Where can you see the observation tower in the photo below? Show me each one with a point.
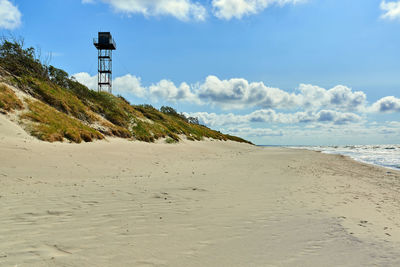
(105, 44)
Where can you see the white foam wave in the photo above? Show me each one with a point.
(383, 155)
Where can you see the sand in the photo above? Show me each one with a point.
(211, 203)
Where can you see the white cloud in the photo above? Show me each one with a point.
(181, 9)
(167, 90)
(228, 9)
(239, 93)
(387, 104)
(129, 84)
(391, 9)
(10, 16)
(87, 80)
(338, 118)
(339, 97)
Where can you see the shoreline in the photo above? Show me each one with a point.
(363, 162)
(122, 203)
(343, 154)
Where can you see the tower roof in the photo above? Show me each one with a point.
(105, 41)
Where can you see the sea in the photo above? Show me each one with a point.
(382, 155)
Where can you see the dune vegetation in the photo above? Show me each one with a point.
(57, 107)
(8, 100)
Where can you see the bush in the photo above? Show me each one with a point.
(193, 120)
(172, 112)
(169, 111)
(150, 112)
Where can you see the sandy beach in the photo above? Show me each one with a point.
(211, 203)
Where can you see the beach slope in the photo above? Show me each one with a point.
(213, 203)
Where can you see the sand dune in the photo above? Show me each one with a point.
(121, 203)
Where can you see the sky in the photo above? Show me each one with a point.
(276, 72)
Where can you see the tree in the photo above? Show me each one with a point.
(19, 61)
(193, 120)
(58, 76)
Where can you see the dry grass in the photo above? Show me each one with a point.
(51, 125)
(8, 100)
(61, 99)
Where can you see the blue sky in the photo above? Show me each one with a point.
(273, 71)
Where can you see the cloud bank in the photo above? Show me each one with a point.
(338, 134)
(186, 10)
(238, 93)
(10, 16)
(270, 116)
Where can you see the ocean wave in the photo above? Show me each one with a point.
(382, 155)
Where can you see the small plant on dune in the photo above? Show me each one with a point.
(170, 140)
(190, 138)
